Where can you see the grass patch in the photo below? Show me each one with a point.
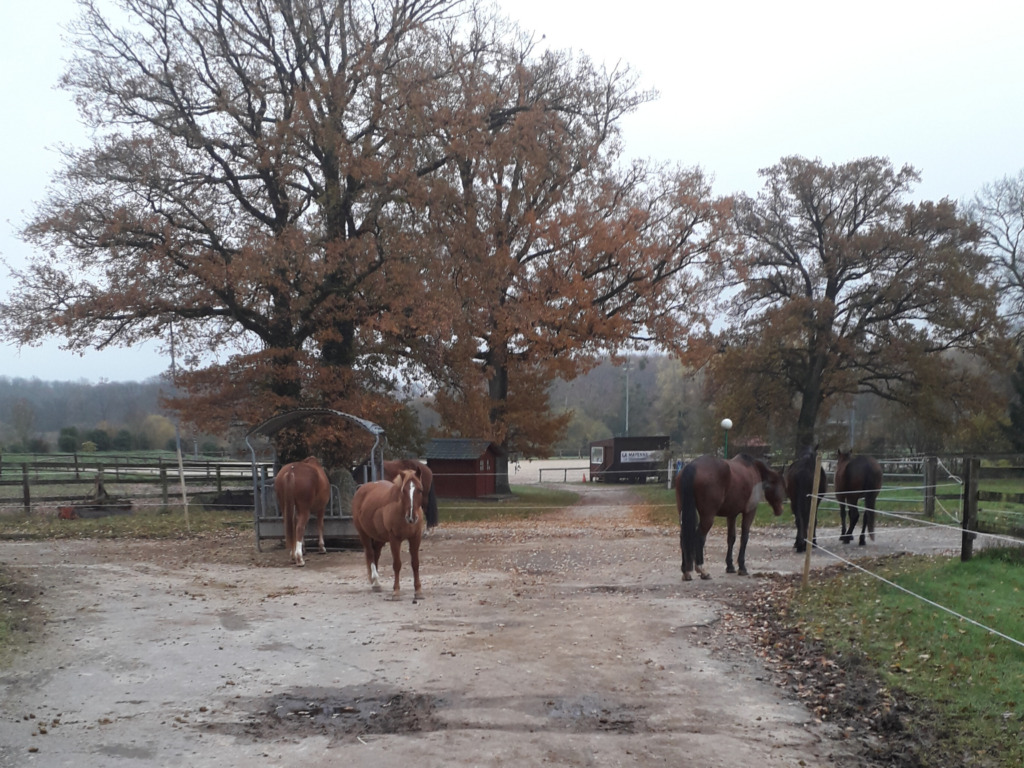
(528, 501)
(164, 523)
(971, 680)
(10, 613)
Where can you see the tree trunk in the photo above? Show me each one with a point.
(497, 389)
(810, 405)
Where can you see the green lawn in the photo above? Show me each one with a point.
(529, 501)
(974, 680)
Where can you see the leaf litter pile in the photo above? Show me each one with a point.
(880, 725)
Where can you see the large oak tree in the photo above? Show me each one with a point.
(313, 193)
(843, 285)
(998, 208)
(247, 185)
(550, 250)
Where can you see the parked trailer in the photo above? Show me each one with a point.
(629, 459)
(339, 530)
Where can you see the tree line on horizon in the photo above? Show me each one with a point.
(319, 204)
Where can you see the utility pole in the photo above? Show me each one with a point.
(627, 395)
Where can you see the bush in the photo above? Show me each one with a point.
(100, 438)
(38, 445)
(122, 440)
(88, 447)
(68, 440)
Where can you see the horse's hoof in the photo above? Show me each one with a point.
(705, 576)
(744, 572)
(730, 569)
(376, 587)
(395, 597)
(418, 596)
(687, 577)
(862, 542)
(300, 563)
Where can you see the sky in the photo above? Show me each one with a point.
(741, 84)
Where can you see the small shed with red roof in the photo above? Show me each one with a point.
(463, 467)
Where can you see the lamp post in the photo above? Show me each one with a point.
(727, 425)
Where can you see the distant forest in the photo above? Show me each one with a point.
(664, 399)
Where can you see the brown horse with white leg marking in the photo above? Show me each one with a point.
(857, 477)
(390, 513)
(710, 487)
(302, 489)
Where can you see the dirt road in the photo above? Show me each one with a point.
(566, 641)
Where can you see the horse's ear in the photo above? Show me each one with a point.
(399, 479)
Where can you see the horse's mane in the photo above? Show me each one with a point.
(762, 467)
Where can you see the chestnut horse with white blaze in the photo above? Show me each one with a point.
(302, 489)
(426, 476)
(710, 486)
(390, 512)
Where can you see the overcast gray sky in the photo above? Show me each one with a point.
(939, 85)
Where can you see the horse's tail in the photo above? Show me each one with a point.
(431, 510)
(287, 498)
(686, 503)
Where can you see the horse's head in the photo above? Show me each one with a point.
(807, 452)
(411, 489)
(843, 457)
(774, 490)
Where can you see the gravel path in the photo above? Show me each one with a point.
(565, 640)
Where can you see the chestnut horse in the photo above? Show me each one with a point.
(708, 487)
(799, 477)
(391, 470)
(389, 513)
(302, 489)
(857, 477)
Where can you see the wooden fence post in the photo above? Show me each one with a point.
(76, 467)
(809, 538)
(27, 497)
(218, 477)
(972, 472)
(931, 472)
(163, 483)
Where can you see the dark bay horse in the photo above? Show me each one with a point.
(391, 470)
(799, 478)
(857, 477)
(708, 487)
(302, 489)
(389, 513)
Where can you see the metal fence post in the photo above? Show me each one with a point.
(972, 472)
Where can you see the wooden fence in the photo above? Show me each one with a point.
(33, 479)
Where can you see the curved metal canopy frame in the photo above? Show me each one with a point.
(275, 424)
